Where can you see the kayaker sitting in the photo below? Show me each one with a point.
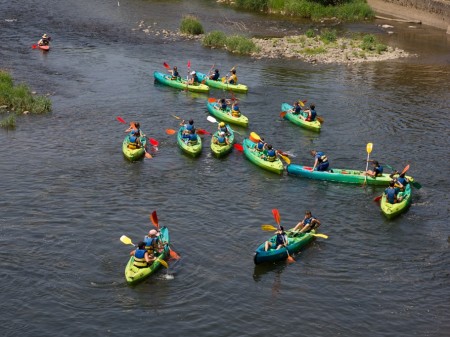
(133, 127)
(271, 154)
(193, 138)
(188, 127)
(223, 128)
(235, 112)
(321, 161)
(296, 108)
(141, 257)
(401, 181)
(311, 113)
(221, 140)
(392, 193)
(261, 145)
(152, 243)
(308, 223)
(194, 79)
(280, 241)
(233, 78)
(174, 73)
(377, 170)
(223, 104)
(45, 40)
(215, 76)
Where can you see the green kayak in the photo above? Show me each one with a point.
(295, 242)
(256, 157)
(222, 85)
(222, 150)
(340, 175)
(225, 115)
(392, 210)
(134, 275)
(298, 120)
(130, 151)
(192, 150)
(179, 83)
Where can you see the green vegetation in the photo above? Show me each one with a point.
(346, 10)
(234, 43)
(191, 25)
(17, 98)
(370, 43)
(328, 35)
(314, 50)
(310, 33)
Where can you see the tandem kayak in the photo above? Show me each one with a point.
(392, 210)
(222, 150)
(339, 175)
(130, 151)
(298, 120)
(134, 274)
(222, 85)
(295, 242)
(256, 157)
(225, 115)
(191, 149)
(179, 83)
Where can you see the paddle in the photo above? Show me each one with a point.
(228, 73)
(286, 159)
(154, 220)
(126, 240)
(238, 147)
(369, 147)
(166, 66)
(272, 228)
(207, 75)
(34, 46)
(171, 131)
(320, 119)
(152, 141)
(276, 216)
(203, 132)
(213, 120)
(212, 100)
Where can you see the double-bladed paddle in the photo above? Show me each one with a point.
(155, 222)
(152, 141)
(276, 216)
(126, 240)
(267, 227)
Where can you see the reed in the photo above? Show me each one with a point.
(191, 25)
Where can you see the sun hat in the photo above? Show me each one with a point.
(153, 232)
(193, 72)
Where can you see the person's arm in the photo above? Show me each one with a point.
(315, 163)
(132, 252)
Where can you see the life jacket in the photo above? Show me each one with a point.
(309, 220)
(402, 181)
(150, 244)
(391, 193)
(221, 140)
(313, 116)
(378, 170)
(281, 239)
(195, 77)
(215, 77)
(321, 157)
(271, 155)
(189, 127)
(176, 74)
(192, 139)
(139, 258)
(260, 146)
(233, 79)
(297, 109)
(224, 129)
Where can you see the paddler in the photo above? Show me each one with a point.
(215, 76)
(297, 108)
(45, 40)
(152, 242)
(271, 154)
(174, 72)
(321, 161)
(311, 113)
(194, 79)
(233, 78)
(141, 257)
(308, 223)
(377, 170)
(392, 192)
(280, 241)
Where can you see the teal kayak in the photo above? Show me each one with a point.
(225, 115)
(339, 175)
(222, 85)
(130, 151)
(192, 150)
(256, 158)
(179, 83)
(222, 150)
(298, 120)
(134, 274)
(295, 242)
(392, 210)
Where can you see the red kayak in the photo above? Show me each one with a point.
(46, 48)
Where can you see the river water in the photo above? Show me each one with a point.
(67, 193)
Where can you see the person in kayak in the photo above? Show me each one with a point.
(222, 104)
(193, 138)
(233, 78)
(141, 257)
(132, 127)
(261, 145)
(135, 135)
(321, 161)
(392, 192)
(215, 76)
(194, 79)
(280, 241)
(377, 170)
(223, 128)
(152, 243)
(45, 40)
(174, 72)
(401, 181)
(221, 140)
(271, 154)
(308, 223)
(188, 127)
(297, 108)
(235, 112)
(311, 113)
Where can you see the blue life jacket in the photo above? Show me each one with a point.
(321, 157)
(224, 129)
(271, 155)
(150, 243)
(313, 115)
(139, 258)
(390, 194)
(221, 140)
(281, 239)
(215, 77)
(402, 181)
(260, 146)
(192, 138)
(378, 170)
(189, 127)
(133, 139)
(176, 74)
(297, 109)
(309, 220)
(236, 108)
(195, 77)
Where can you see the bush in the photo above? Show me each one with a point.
(240, 44)
(370, 43)
(191, 25)
(328, 36)
(8, 122)
(215, 39)
(310, 33)
(255, 5)
(380, 48)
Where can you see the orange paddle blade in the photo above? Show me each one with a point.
(121, 120)
(173, 254)
(203, 132)
(212, 100)
(276, 216)
(170, 131)
(238, 147)
(283, 113)
(148, 155)
(290, 259)
(320, 119)
(405, 169)
(154, 219)
(166, 65)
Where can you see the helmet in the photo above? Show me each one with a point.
(221, 124)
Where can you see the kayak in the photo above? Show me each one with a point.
(339, 175)
(256, 158)
(215, 110)
(130, 151)
(295, 242)
(392, 210)
(134, 274)
(44, 48)
(222, 85)
(222, 150)
(192, 150)
(314, 125)
(179, 83)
